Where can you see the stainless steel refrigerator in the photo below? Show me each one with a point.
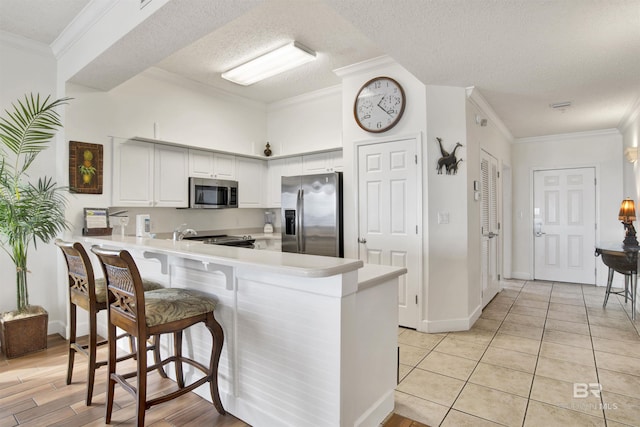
(312, 214)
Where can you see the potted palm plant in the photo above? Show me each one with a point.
(30, 211)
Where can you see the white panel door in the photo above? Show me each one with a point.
(490, 228)
(388, 216)
(564, 225)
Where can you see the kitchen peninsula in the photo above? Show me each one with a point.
(308, 340)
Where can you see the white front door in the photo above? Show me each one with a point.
(388, 213)
(489, 226)
(564, 225)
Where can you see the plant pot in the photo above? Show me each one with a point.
(23, 333)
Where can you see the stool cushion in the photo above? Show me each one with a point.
(171, 304)
(101, 288)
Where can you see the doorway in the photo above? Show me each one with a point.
(489, 227)
(389, 212)
(564, 225)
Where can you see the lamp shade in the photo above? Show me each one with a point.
(627, 211)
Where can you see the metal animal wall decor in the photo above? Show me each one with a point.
(448, 160)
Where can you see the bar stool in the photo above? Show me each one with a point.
(90, 294)
(618, 262)
(144, 314)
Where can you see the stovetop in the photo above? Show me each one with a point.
(224, 239)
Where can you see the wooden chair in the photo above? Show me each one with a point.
(90, 294)
(144, 314)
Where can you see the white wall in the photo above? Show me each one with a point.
(188, 113)
(450, 262)
(309, 122)
(29, 67)
(495, 140)
(631, 171)
(602, 150)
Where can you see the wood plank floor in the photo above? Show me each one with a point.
(33, 392)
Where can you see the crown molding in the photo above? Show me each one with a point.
(24, 43)
(81, 23)
(476, 98)
(361, 67)
(632, 115)
(567, 136)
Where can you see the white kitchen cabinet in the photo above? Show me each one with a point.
(170, 178)
(207, 164)
(251, 174)
(133, 173)
(288, 166)
(330, 161)
(146, 174)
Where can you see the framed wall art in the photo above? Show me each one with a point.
(85, 167)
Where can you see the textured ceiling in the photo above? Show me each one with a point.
(521, 54)
(268, 26)
(39, 20)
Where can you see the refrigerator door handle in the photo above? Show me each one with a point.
(300, 217)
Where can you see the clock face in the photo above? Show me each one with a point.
(379, 104)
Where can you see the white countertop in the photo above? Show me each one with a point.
(278, 262)
(374, 274)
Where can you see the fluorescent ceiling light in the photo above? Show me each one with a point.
(275, 62)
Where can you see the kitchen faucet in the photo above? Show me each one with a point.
(179, 233)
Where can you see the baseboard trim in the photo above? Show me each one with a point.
(518, 275)
(451, 325)
(378, 412)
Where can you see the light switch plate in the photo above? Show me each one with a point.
(443, 217)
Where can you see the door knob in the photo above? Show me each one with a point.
(491, 235)
(362, 240)
(539, 233)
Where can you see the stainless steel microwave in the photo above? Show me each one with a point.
(212, 193)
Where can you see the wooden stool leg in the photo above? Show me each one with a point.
(141, 395)
(177, 352)
(156, 356)
(609, 282)
(216, 350)
(111, 382)
(93, 345)
(72, 341)
(132, 347)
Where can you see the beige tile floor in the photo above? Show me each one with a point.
(537, 356)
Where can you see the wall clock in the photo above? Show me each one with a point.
(379, 104)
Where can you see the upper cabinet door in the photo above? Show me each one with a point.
(133, 172)
(206, 164)
(224, 166)
(171, 176)
(330, 161)
(200, 164)
(251, 174)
